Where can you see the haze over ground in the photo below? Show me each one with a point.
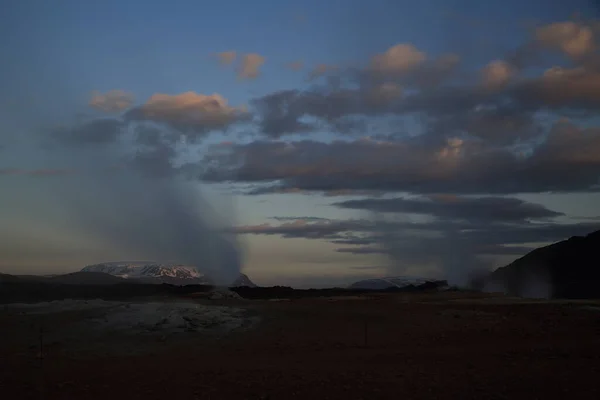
(331, 141)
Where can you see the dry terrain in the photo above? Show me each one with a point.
(411, 346)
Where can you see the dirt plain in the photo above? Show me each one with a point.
(410, 346)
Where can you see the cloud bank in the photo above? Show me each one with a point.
(410, 133)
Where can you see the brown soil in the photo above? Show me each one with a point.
(386, 347)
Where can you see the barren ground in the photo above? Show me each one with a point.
(417, 346)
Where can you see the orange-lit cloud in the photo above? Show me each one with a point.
(111, 101)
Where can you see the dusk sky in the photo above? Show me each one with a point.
(337, 140)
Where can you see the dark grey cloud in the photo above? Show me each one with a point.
(485, 209)
(484, 236)
(331, 105)
(567, 159)
(348, 240)
(362, 250)
(305, 228)
(278, 189)
(419, 250)
(500, 125)
(303, 218)
(280, 114)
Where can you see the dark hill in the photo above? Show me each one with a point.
(569, 269)
(87, 278)
(6, 278)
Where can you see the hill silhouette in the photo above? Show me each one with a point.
(569, 269)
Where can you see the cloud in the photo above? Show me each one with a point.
(405, 82)
(161, 121)
(286, 112)
(496, 126)
(250, 65)
(344, 110)
(383, 94)
(361, 250)
(189, 112)
(428, 127)
(434, 72)
(567, 160)
(563, 88)
(112, 101)
(572, 38)
(280, 113)
(227, 57)
(496, 74)
(397, 60)
(483, 209)
(277, 189)
(402, 121)
(304, 218)
(302, 228)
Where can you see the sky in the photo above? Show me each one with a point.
(322, 142)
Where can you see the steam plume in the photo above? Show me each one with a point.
(444, 254)
(117, 202)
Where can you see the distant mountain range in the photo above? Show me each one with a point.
(398, 282)
(566, 269)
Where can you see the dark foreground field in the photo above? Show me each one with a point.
(386, 346)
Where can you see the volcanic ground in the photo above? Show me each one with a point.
(371, 346)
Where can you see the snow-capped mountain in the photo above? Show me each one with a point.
(390, 282)
(152, 272)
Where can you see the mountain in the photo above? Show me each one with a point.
(399, 282)
(152, 272)
(566, 269)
